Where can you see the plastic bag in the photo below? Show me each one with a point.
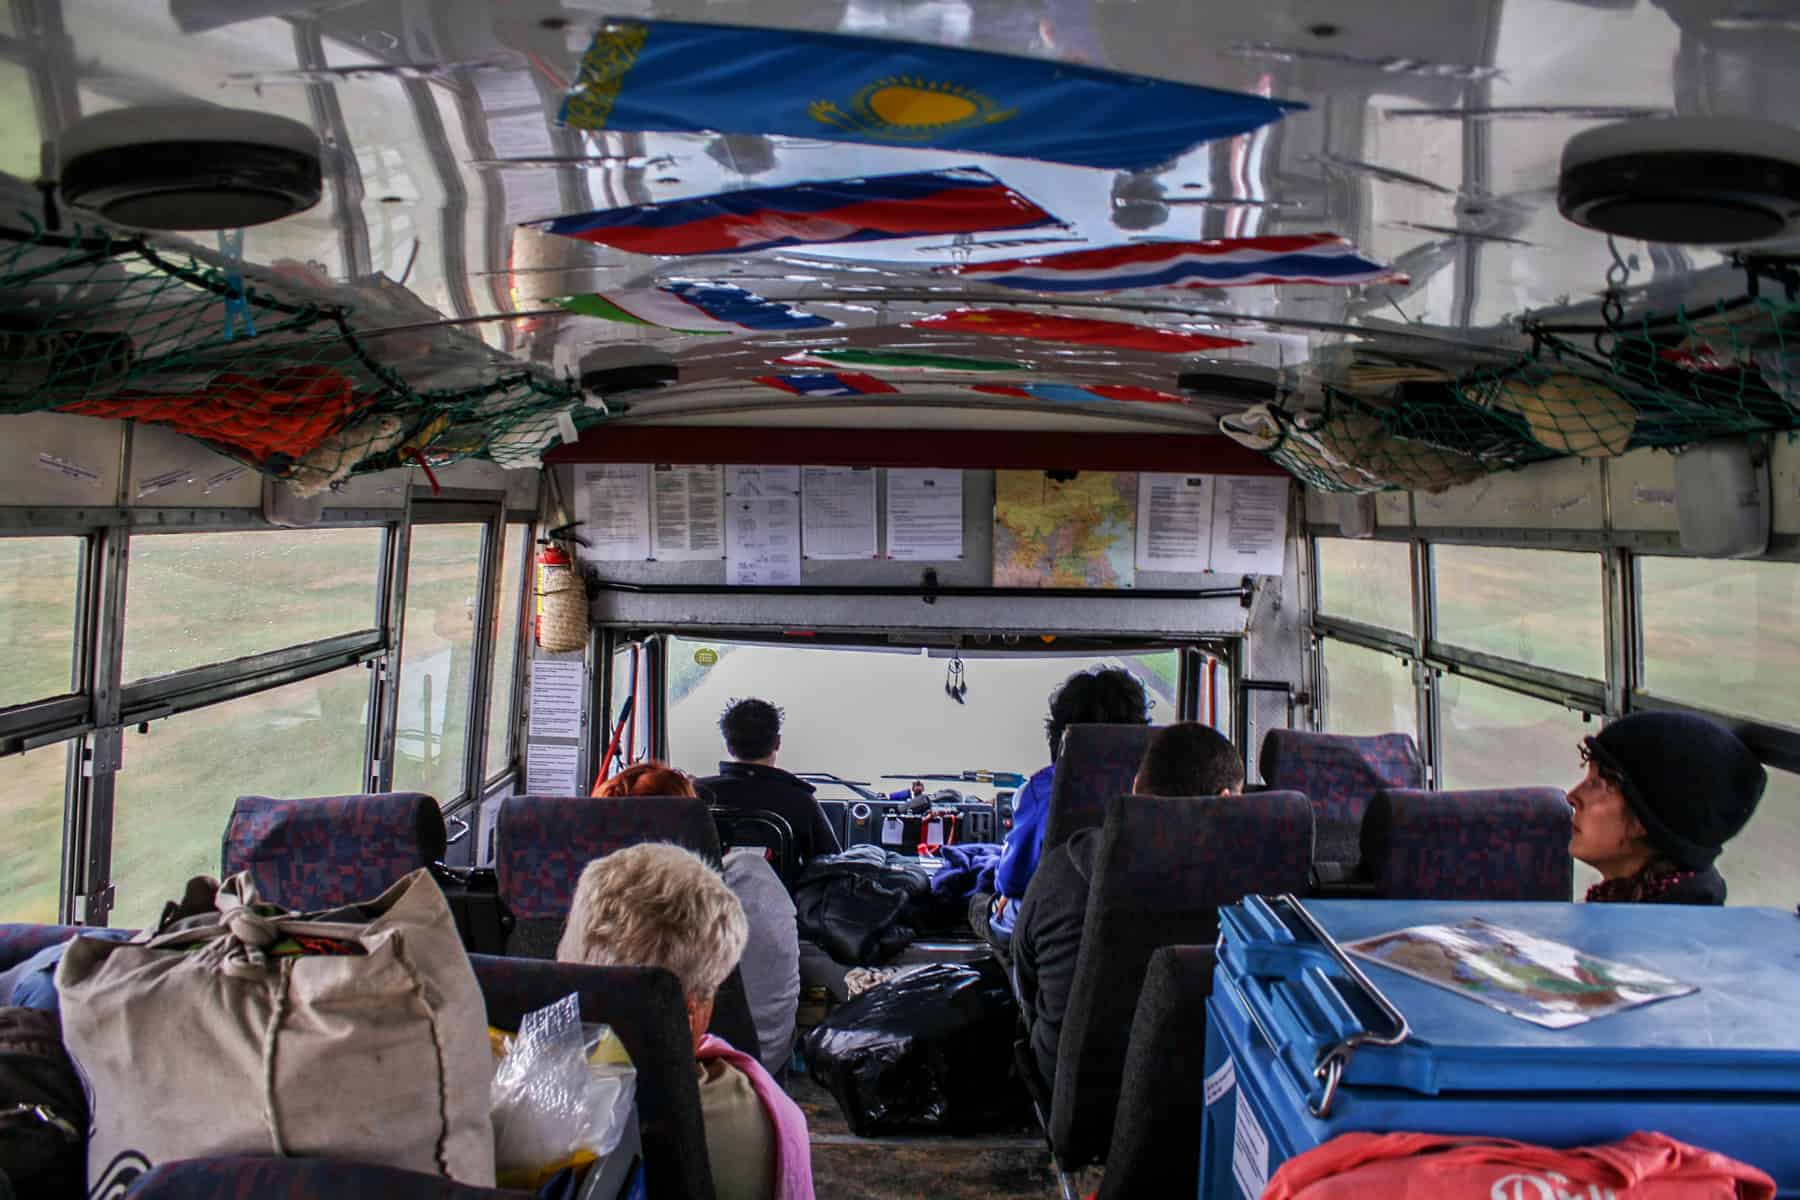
(554, 1107)
(931, 1049)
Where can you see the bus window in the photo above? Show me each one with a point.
(31, 854)
(1367, 692)
(501, 700)
(1533, 606)
(861, 714)
(1494, 738)
(1722, 634)
(198, 598)
(443, 583)
(1366, 581)
(181, 778)
(40, 581)
(1758, 864)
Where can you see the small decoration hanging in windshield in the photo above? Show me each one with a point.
(954, 686)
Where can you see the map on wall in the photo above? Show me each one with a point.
(1076, 532)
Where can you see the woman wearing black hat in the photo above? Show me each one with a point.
(1663, 794)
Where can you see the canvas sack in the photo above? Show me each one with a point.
(205, 1039)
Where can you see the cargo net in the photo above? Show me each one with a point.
(1660, 381)
(279, 368)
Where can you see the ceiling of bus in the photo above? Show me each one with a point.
(1430, 140)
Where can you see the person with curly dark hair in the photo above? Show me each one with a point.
(751, 780)
(1663, 793)
(1101, 696)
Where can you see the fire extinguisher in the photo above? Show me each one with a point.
(561, 594)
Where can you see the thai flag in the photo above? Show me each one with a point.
(841, 383)
(960, 200)
(1224, 262)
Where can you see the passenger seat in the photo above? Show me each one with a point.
(327, 851)
(1095, 764)
(1503, 844)
(1340, 775)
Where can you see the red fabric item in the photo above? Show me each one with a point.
(1426, 1166)
(285, 412)
(1005, 322)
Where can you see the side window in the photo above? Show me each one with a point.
(502, 703)
(40, 586)
(1542, 607)
(31, 797)
(1366, 581)
(443, 586)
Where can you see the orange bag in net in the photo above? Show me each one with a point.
(285, 412)
(1424, 1166)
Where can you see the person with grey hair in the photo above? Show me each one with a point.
(658, 905)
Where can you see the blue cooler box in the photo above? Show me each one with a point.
(1302, 1039)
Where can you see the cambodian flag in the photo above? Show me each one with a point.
(960, 200)
(678, 77)
(841, 383)
(1081, 331)
(1222, 262)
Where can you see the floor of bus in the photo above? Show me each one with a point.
(1006, 1165)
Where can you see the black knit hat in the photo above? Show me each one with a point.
(1692, 783)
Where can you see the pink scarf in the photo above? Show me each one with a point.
(793, 1150)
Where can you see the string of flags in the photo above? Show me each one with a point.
(1118, 335)
(703, 308)
(1222, 262)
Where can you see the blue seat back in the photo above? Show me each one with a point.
(1164, 868)
(1097, 763)
(327, 851)
(1340, 775)
(1503, 844)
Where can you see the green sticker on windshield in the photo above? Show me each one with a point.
(706, 656)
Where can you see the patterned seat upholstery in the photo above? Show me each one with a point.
(1156, 1138)
(299, 1179)
(19, 942)
(1506, 844)
(1096, 764)
(543, 842)
(1339, 775)
(326, 851)
(1164, 868)
(644, 1006)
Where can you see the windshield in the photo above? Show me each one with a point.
(863, 714)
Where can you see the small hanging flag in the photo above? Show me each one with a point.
(1119, 335)
(1070, 393)
(959, 200)
(679, 77)
(1221, 262)
(838, 384)
(898, 360)
(695, 308)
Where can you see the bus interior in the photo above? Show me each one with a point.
(1404, 442)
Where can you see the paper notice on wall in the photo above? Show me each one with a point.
(1249, 530)
(556, 688)
(550, 769)
(1174, 522)
(1249, 1151)
(612, 502)
(924, 515)
(687, 513)
(762, 481)
(762, 541)
(838, 512)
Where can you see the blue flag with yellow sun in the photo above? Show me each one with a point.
(672, 76)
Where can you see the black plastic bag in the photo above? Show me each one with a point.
(931, 1050)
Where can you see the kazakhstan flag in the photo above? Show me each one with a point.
(672, 76)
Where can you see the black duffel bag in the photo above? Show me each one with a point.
(43, 1108)
(930, 1050)
(858, 906)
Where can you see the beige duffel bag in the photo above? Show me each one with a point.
(214, 1038)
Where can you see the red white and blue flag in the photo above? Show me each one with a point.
(960, 200)
(1221, 262)
(840, 383)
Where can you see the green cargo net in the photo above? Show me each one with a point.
(1660, 381)
(275, 370)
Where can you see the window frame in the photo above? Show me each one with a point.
(522, 643)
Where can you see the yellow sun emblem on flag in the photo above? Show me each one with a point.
(906, 109)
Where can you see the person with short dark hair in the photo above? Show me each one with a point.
(751, 780)
(1102, 696)
(1664, 792)
(1185, 759)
